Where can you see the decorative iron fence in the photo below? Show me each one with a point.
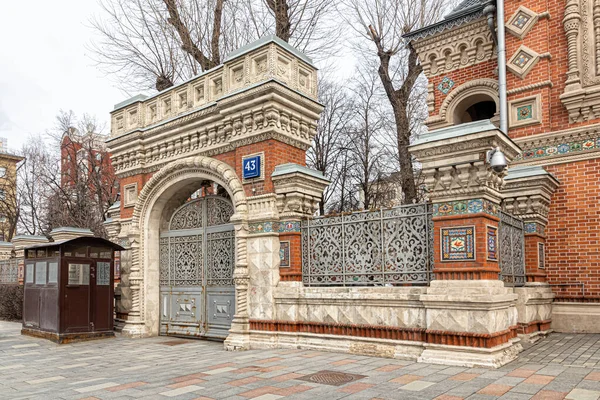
(371, 248)
(512, 250)
(9, 271)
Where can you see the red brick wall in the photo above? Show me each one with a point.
(573, 232)
(481, 268)
(275, 152)
(294, 272)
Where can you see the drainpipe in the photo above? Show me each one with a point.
(500, 42)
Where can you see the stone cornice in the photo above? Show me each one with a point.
(269, 111)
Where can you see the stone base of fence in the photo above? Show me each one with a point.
(534, 310)
(469, 323)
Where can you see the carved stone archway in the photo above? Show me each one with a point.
(144, 273)
(476, 89)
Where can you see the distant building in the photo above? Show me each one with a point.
(8, 191)
(85, 161)
(384, 192)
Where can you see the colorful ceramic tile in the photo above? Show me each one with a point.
(475, 206)
(521, 20)
(492, 243)
(522, 59)
(445, 85)
(588, 144)
(284, 254)
(524, 112)
(541, 256)
(289, 226)
(458, 243)
(530, 227)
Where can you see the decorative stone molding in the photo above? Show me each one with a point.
(453, 161)
(113, 222)
(266, 59)
(527, 193)
(299, 190)
(458, 48)
(527, 88)
(575, 144)
(130, 193)
(6, 250)
(267, 111)
(523, 20)
(525, 111)
(523, 60)
(145, 223)
(68, 233)
(22, 241)
(582, 91)
(457, 95)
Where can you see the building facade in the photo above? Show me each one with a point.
(8, 191)
(553, 77)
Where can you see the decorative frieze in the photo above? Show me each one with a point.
(273, 227)
(463, 207)
(235, 121)
(561, 146)
(457, 48)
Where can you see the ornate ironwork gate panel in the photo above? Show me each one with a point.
(512, 250)
(197, 258)
(9, 271)
(386, 247)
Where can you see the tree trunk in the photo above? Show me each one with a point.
(282, 18)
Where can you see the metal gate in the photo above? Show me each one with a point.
(197, 258)
(512, 250)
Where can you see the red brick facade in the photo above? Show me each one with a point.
(572, 251)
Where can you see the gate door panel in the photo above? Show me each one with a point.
(197, 258)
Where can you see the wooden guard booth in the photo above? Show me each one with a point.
(69, 289)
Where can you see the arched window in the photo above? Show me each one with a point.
(476, 107)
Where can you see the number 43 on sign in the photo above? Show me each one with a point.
(251, 167)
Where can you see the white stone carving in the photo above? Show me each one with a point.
(458, 48)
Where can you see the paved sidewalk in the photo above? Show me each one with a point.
(562, 366)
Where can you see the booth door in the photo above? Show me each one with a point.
(196, 270)
(88, 296)
(101, 313)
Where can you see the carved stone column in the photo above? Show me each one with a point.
(471, 316)
(239, 334)
(571, 23)
(299, 191)
(527, 194)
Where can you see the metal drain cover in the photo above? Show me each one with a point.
(333, 378)
(175, 342)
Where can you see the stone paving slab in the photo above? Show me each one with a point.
(560, 367)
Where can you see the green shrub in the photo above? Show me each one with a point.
(11, 302)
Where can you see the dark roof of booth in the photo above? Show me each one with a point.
(466, 11)
(80, 240)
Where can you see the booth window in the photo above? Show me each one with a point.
(79, 274)
(29, 273)
(53, 272)
(40, 273)
(103, 274)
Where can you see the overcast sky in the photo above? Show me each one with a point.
(44, 67)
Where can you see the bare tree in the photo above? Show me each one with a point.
(331, 129)
(32, 188)
(364, 141)
(383, 22)
(85, 187)
(9, 207)
(157, 43)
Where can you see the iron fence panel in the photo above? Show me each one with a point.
(369, 248)
(512, 250)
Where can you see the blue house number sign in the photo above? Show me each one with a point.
(251, 167)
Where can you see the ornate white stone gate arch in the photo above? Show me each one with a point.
(144, 232)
